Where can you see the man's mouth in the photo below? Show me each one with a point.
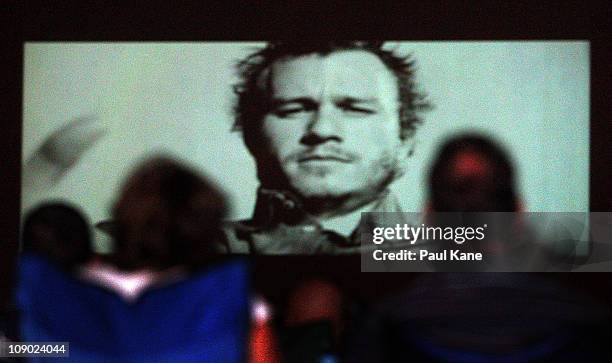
(323, 158)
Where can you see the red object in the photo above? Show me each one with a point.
(263, 342)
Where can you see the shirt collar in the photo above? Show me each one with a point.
(275, 207)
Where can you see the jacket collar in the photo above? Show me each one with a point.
(276, 207)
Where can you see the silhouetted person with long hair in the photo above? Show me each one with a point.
(166, 216)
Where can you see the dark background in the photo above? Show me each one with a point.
(431, 20)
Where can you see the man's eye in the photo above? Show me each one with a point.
(288, 111)
(358, 110)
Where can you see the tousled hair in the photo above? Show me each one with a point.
(252, 99)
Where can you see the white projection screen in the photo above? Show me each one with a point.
(530, 96)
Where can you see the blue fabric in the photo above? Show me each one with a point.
(203, 318)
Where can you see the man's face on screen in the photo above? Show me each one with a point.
(333, 125)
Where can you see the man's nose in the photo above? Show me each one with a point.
(325, 125)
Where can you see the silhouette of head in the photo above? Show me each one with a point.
(166, 215)
(58, 232)
(472, 174)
